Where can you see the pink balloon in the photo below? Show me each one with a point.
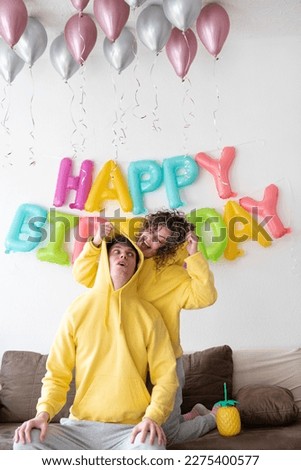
(80, 35)
(80, 4)
(13, 20)
(213, 26)
(66, 181)
(181, 49)
(267, 208)
(111, 16)
(219, 169)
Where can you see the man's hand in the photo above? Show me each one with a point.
(148, 426)
(22, 433)
(103, 230)
(192, 243)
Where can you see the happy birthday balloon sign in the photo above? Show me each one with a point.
(237, 224)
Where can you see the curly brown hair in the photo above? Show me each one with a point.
(177, 223)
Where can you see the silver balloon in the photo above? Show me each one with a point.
(121, 52)
(61, 58)
(135, 3)
(182, 13)
(33, 42)
(153, 28)
(10, 63)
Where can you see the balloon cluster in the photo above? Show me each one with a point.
(158, 26)
(174, 21)
(24, 39)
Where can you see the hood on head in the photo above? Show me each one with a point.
(103, 278)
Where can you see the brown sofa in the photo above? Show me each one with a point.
(267, 384)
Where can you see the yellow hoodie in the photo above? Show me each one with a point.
(111, 337)
(169, 289)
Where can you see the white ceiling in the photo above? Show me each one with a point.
(247, 17)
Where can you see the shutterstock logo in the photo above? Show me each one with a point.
(209, 229)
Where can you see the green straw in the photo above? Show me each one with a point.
(225, 391)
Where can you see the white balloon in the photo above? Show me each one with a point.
(61, 58)
(33, 42)
(10, 63)
(122, 51)
(182, 13)
(153, 28)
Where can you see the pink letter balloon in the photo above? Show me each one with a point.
(86, 228)
(181, 50)
(13, 20)
(213, 26)
(81, 184)
(80, 35)
(267, 208)
(219, 170)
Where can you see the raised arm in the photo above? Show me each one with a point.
(197, 288)
(86, 264)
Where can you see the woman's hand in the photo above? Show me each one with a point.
(103, 230)
(192, 243)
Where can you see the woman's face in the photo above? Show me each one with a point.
(150, 241)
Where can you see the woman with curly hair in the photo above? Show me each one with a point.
(174, 276)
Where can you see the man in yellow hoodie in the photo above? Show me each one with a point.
(174, 276)
(112, 339)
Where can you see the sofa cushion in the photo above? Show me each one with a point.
(206, 372)
(266, 405)
(20, 379)
(268, 367)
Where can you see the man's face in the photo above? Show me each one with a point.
(122, 260)
(151, 240)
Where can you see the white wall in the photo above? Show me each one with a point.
(253, 89)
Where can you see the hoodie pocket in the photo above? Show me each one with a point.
(112, 399)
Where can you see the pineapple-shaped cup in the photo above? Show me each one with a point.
(227, 416)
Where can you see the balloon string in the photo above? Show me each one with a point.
(115, 122)
(190, 116)
(155, 125)
(122, 137)
(120, 112)
(216, 110)
(75, 130)
(137, 105)
(82, 120)
(32, 160)
(137, 91)
(5, 105)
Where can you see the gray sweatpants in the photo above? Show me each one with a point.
(178, 430)
(91, 435)
(87, 435)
